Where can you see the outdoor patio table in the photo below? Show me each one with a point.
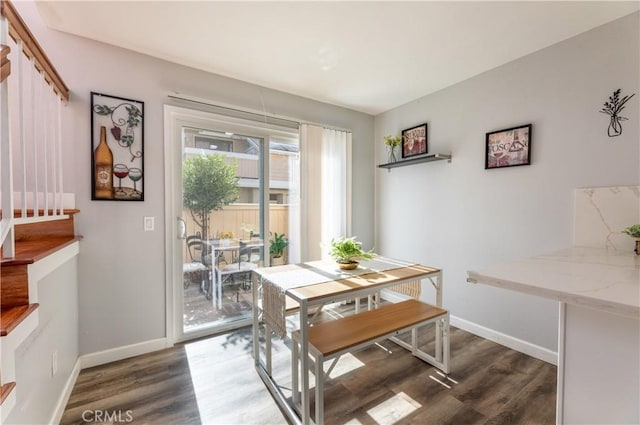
(314, 284)
(218, 248)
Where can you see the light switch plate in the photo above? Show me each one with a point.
(149, 224)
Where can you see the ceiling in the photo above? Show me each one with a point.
(367, 56)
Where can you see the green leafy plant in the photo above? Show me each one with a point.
(209, 184)
(277, 244)
(347, 250)
(633, 231)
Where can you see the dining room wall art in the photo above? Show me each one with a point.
(613, 107)
(508, 148)
(414, 141)
(117, 148)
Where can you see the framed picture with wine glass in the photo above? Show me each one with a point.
(508, 148)
(414, 141)
(117, 148)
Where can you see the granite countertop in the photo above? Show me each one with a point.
(603, 279)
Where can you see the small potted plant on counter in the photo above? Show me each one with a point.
(634, 232)
(347, 251)
(277, 244)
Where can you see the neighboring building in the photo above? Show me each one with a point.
(245, 152)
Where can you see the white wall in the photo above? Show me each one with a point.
(122, 279)
(460, 217)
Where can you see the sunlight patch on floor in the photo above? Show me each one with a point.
(392, 410)
(347, 363)
(443, 379)
(440, 382)
(198, 363)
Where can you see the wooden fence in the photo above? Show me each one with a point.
(239, 218)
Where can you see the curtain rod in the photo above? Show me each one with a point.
(260, 116)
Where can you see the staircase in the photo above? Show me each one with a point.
(34, 241)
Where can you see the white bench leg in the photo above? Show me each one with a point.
(414, 341)
(439, 333)
(446, 350)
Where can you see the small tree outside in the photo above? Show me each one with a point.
(209, 183)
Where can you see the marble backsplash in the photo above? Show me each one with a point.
(600, 214)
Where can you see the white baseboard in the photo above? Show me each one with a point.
(525, 347)
(119, 353)
(66, 393)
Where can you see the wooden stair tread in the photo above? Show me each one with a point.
(27, 252)
(11, 317)
(336, 335)
(5, 390)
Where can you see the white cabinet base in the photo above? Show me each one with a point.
(599, 367)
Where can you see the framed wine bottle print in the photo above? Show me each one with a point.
(117, 148)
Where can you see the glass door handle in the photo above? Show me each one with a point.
(182, 228)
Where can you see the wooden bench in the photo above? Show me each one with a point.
(330, 340)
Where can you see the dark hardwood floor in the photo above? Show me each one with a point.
(212, 381)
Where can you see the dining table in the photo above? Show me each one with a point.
(306, 287)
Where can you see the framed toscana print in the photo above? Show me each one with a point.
(508, 148)
(117, 146)
(414, 141)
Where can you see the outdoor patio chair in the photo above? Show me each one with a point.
(199, 269)
(250, 254)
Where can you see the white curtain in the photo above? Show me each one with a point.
(325, 189)
(294, 209)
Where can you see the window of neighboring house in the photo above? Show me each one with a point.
(213, 144)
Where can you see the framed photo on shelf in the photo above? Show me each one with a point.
(414, 141)
(508, 148)
(117, 146)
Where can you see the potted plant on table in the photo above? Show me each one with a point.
(277, 244)
(634, 232)
(347, 251)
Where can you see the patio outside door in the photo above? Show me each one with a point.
(226, 216)
(222, 211)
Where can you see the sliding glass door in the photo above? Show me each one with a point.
(234, 190)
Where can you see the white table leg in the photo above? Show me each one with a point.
(319, 390)
(295, 372)
(267, 348)
(304, 360)
(255, 328)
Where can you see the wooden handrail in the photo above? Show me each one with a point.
(5, 63)
(18, 30)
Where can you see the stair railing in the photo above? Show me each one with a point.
(32, 95)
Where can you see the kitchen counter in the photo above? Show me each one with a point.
(598, 291)
(603, 279)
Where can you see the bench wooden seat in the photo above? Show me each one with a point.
(342, 335)
(329, 340)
